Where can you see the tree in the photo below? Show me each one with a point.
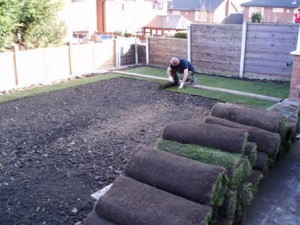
(256, 17)
(8, 23)
(31, 23)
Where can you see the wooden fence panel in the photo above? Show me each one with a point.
(82, 59)
(57, 63)
(268, 48)
(127, 55)
(162, 49)
(104, 55)
(31, 67)
(142, 54)
(7, 72)
(216, 49)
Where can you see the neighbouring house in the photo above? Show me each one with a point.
(81, 19)
(85, 17)
(236, 18)
(272, 11)
(128, 16)
(204, 11)
(166, 25)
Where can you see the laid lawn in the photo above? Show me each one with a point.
(262, 88)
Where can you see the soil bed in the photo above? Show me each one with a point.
(56, 149)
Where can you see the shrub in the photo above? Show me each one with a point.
(181, 35)
(256, 17)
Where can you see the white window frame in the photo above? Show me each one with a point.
(278, 10)
(201, 16)
(176, 12)
(255, 10)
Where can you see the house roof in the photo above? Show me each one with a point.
(273, 3)
(174, 22)
(234, 19)
(194, 4)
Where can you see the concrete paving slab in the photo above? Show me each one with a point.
(278, 198)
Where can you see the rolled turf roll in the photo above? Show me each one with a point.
(130, 202)
(238, 167)
(245, 199)
(199, 182)
(266, 141)
(223, 221)
(94, 219)
(251, 153)
(255, 178)
(228, 208)
(261, 118)
(166, 85)
(208, 135)
(262, 163)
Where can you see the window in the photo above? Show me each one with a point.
(278, 10)
(201, 16)
(255, 10)
(176, 12)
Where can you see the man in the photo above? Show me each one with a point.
(297, 16)
(183, 66)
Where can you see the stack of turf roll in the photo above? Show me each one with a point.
(161, 188)
(217, 145)
(272, 121)
(267, 143)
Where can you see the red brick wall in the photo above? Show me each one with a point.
(273, 17)
(295, 79)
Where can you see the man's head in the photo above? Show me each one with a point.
(174, 61)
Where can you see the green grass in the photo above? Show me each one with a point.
(54, 87)
(261, 88)
(269, 89)
(238, 168)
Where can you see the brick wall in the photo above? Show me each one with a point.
(295, 79)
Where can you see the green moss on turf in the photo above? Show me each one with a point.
(233, 162)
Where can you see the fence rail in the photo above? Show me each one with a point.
(41, 66)
(249, 50)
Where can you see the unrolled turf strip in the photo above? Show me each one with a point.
(130, 202)
(209, 135)
(94, 219)
(238, 168)
(199, 182)
(267, 120)
(266, 141)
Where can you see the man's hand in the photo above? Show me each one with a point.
(171, 79)
(181, 85)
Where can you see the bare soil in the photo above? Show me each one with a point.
(56, 149)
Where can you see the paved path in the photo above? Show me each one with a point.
(278, 199)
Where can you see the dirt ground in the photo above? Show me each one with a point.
(56, 149)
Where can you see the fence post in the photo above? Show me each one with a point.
(189, 39)
(16, 52)
(117, 52)
(243, 49)
(136, 52)
(70, 59)
(147, 50)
